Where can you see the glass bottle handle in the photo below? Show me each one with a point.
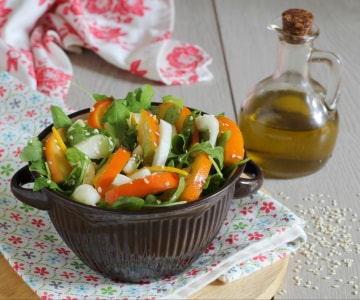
(335, 66)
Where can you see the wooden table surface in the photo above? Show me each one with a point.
(271, 278)
(234, 33)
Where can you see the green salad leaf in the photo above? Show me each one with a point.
(185, 159)
(80, 163)
(115, 118)
(33, 151)
(60, 119)
(139, 99)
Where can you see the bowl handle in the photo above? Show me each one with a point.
(36, 199)
(246, 186)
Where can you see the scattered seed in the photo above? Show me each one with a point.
(330, 242)
(282, 292)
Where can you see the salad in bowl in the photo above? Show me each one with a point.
(137, 189)
(135, 154)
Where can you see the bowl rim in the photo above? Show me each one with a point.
(202, 201)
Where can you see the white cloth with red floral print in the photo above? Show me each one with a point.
(134, 35)
(257, 231)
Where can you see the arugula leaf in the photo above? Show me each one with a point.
(178, 191)
(147, 96)
(172, 114)
(80, 163)
(230, 169)
(78, 132)
(139, 99)
(129, 203)
(223, 138)
(178, 146)
(189, 124)
(43, 182)
(40, 167)
(33, 154)
(115, 118)
(170, 98)
(98, 97)
(129, 140)
(33, 151)
(164, 204)
(136, 203)
(152, 200)
(181, 141)
(60, 119)
(216, 153)
(213, 184)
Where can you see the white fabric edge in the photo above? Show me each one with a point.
(182, 293)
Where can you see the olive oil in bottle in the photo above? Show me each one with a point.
(289, 121)
(284, 137)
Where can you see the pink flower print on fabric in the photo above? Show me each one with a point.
(260, 257)
(18, 266)
(246, 210)
(183, 58)
(134, 68)
(15, 240)
(185, 62)
(255, 236)
(133, 35)
(267, 207)
(232, 238)
(4, 12)
(42, 271)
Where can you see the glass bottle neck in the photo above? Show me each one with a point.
(292, 58)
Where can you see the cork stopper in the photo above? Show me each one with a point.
(296, 23)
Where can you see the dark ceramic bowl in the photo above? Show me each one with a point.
(131, 246)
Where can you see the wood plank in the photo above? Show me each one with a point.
(11, 285)
(261, 284)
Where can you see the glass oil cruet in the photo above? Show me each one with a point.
(289, 120)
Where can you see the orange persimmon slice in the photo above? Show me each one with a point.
(106, 174)
(199, 171)
(234, 147)
(141, 187)
(55, 157)
(97, 112)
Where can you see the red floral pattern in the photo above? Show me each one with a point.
(134, 68)
(267, 207)
(185, 58)
(123, 27)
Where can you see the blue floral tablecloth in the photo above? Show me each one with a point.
(258, 229)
